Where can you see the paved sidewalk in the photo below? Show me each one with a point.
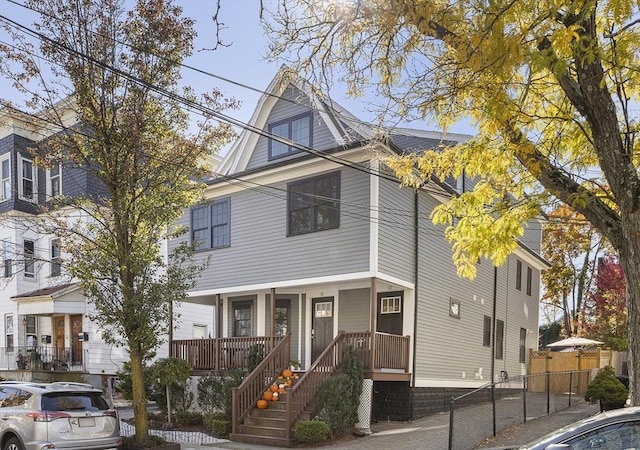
(430, 433)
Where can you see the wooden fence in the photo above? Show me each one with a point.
(580, 361)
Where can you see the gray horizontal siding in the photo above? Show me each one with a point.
(261, 252)
(396, 231)
(294, 104)
(439, 336)
(353, 310)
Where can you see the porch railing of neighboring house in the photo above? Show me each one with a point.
(42, 358)
(391, 351)
(221, 353)
(299, 396)
(245, 396)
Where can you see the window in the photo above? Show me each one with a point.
(314, 204)
(241, 319)
(390, 305)
(523, 344)
(56, 260)
(486, 332)
(210, 225)
(620, 435)
(31, 331)
(499, 339)
(519, 275)
(324, 309)
(27, 179)
(29, 259)
(529, 276)
(199, 331)
(8, 326)
(5, 178)
(54, 182)
(297, 129)
(7, 261)
(281, 322)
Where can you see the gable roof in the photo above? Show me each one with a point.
(51, 291)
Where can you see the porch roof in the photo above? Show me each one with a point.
(60, 299)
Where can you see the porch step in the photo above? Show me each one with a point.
(265, 427)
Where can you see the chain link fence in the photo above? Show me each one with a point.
(484, 412)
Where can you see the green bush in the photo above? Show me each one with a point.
(311, 432)
(189, 418)
(215, 391)
(606, 389)
(124, 381)
(339, 396)
(175, 373)
(219, 427)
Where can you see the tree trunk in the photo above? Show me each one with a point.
(629, 251)
(139, 398)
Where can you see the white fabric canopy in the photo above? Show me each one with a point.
(575, 342)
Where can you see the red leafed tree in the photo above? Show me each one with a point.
(606, 309)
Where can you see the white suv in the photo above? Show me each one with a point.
(39, 416)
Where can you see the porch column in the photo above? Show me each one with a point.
(273, 316)
(218, 317)
(374, 319)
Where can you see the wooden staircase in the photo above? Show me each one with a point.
(267, 426)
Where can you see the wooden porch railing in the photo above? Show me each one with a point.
(302, 392)
(390, 351)
(245, 396)
(222, 353)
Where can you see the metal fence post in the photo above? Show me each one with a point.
(524, 398)
(493, 400)
(451, 407)
(570, 386)
(548, 392)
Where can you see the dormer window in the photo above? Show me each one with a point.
(297, 129)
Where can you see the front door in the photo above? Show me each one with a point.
(58, 329)
(321, 325)
(390, 312)
(76, 345)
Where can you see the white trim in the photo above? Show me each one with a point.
(304, 282)
(374, 225)
(460, 383)
(3, 158)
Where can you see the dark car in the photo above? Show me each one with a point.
(618, 429)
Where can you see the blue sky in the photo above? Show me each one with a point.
(243, 61)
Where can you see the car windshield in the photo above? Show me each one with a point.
(73, 401)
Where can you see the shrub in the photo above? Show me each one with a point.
(215, 391)
(219, 427)
(174, 373)
(188, 418)
(606, 389)
(255, 356)
(124, 381)
(311, 432)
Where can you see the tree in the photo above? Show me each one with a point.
(550, 87)
(606, 311)
(572, 246)
(116, 73)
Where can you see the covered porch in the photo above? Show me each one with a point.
(385, 356)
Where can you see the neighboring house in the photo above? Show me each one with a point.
(44, 317)
(344, 249)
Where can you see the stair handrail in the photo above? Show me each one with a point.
(307, 386)
(245, 396)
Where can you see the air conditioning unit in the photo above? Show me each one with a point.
(45, 339)
(83, 336)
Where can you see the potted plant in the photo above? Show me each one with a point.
(21, 361)
(606, 389)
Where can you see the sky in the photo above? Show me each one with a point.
(243, 60)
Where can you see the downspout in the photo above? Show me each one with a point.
(493, 344)
(415, 301)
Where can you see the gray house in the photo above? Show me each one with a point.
(348, 256)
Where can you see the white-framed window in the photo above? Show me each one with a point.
(54, 181)
(390, 305)
(31, 330)
(5, 177)
(7, 258)
(29, 252)
(27, 180)
(324, 309)
(199, 331)
(9, 330)
(56, 258)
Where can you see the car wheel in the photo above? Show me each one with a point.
(12, 443)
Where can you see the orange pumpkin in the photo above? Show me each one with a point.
(275, 397)
(274, 388)
(287, 373)
(267, 396)
(288, 382)
(262, 404)
(281, 391)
